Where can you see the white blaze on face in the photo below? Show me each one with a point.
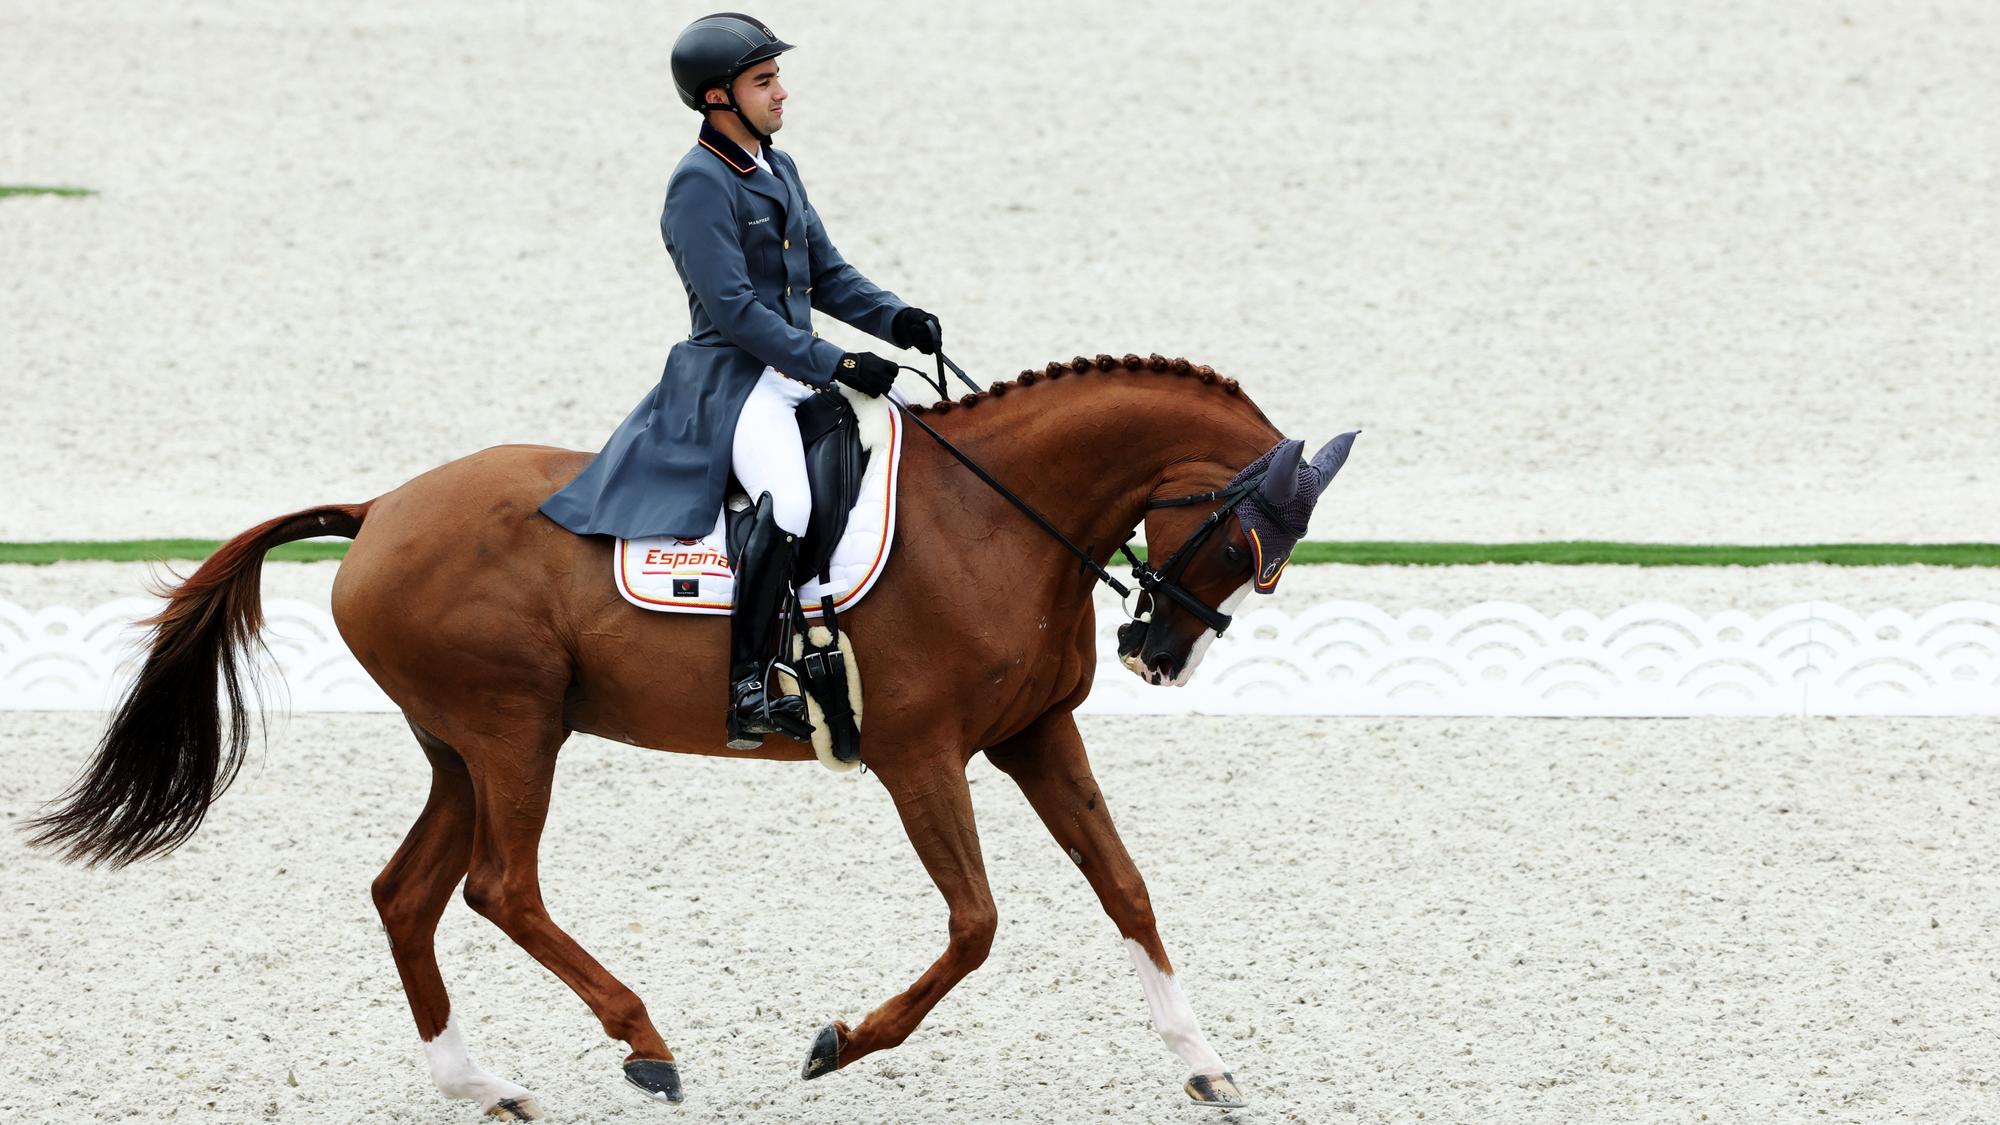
(1208, 636)
(457, 1076)
(1173, 1016)
(1137, 665)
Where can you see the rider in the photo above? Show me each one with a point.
(755, 261)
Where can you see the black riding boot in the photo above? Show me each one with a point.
(763, 562)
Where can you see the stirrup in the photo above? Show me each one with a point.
(766, 717)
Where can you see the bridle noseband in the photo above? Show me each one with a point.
(1154, 582)
(1165, 579)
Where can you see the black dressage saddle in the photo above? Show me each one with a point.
(835, 463)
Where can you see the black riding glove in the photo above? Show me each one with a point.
(915, 328)
(866, 372)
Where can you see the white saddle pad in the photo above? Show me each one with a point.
(673, 575)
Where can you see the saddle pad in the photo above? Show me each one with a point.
(660, 572)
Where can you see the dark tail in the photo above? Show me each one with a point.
(167, 755)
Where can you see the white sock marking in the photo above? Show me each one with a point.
(1173, 1016)
(458, 1076)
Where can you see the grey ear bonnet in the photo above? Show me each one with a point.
(1274, 517)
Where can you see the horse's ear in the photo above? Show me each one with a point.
(1332, 456)
(1281, 478)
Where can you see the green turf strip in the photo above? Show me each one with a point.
(137, 550)
(1649, 554)
(30, 189)
(1362, 554)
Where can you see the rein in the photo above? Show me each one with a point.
(1152, 582)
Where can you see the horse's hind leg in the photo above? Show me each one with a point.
(1049, 764)
(512, 782)
(411, 894)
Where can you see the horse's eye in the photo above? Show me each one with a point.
(1232, 554)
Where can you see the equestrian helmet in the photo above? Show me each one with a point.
(714, 49)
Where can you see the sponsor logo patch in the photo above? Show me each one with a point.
(687, 587)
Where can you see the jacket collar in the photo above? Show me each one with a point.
(729, 151)
(739, 162)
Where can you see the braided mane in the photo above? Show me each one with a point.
(1107, 364)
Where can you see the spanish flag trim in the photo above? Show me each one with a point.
(725, 157)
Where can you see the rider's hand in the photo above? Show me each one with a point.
(866, 372)
(915, 328)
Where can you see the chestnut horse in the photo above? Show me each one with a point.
(498, 633)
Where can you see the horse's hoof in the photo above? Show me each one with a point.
(523, 1108)
(1216, 1091)
(659, 1078)
(825, 1056)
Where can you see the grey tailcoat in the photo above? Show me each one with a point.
(755, 262)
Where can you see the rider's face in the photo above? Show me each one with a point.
(762, 96)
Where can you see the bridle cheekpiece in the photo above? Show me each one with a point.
(1274, 525)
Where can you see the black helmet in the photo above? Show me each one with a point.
(713, 50)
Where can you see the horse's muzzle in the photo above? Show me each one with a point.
(1156, 667)
(1131, 637)
(1163, 668)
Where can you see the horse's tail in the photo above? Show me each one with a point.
(166, 756)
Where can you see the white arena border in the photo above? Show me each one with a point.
(1334, 658)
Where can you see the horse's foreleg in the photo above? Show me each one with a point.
(410, 894)
(504, 886)
(1048, 762)
(936, 807)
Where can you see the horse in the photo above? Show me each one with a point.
(498, 633)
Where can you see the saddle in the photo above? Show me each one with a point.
(835, 462)
(853, 454)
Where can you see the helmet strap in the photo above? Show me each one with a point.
(763, 138)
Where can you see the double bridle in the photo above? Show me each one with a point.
(1154, 582)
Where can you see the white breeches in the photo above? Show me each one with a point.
(767, 455)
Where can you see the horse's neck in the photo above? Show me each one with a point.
(1089, 451)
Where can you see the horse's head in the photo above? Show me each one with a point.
(1204, 556)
